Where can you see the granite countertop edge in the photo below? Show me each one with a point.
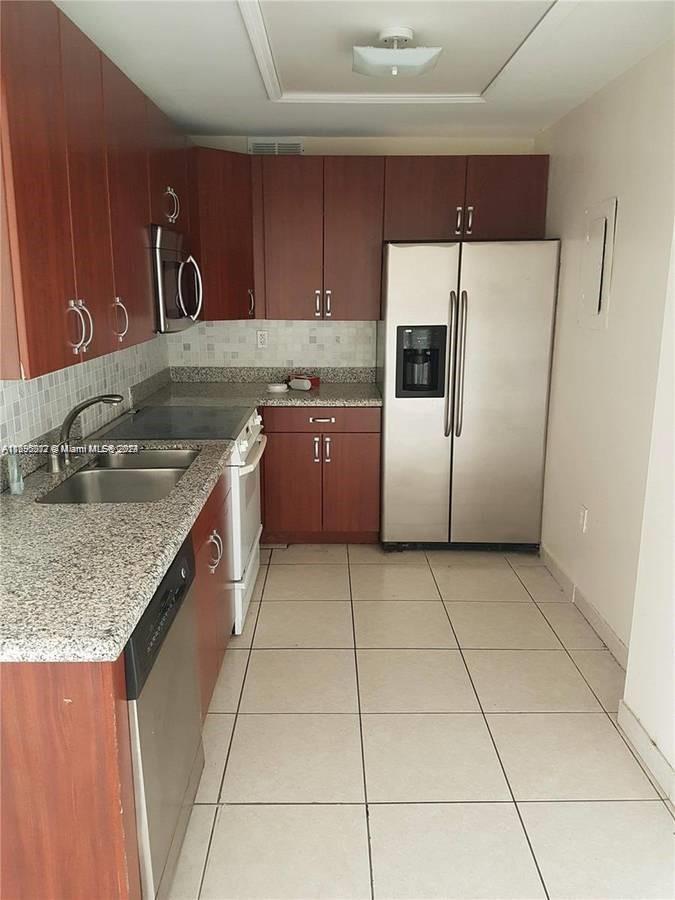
(251, 393)
(56, 607)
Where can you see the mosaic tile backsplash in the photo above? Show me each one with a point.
(29, 409)
(326, 344)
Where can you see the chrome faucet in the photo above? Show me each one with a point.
(60, 456)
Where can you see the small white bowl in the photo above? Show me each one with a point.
(277, 388)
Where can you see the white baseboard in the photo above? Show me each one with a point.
(659, 767)
(602, 628)
(605, 631)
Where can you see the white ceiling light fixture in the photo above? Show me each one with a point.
(395, 57)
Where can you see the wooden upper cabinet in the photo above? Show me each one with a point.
(423, 197)
(352, 227)
(506, 198)
(36, 180)
(167, 167)
(224, 232)
(293, 215)
(126, 145)
(83, 104)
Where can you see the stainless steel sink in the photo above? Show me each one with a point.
(145, 459)
(114, 485)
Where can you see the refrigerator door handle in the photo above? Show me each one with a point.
(461, 360)
(449, 378)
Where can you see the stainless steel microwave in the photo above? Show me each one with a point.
(178, 281)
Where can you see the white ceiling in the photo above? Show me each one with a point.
(508, 67)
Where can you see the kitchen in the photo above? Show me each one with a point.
(373, 530)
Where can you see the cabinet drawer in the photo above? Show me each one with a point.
(211, 515)
(322, 419)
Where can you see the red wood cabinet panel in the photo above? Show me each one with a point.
(127, 148)
(351, 482)
(87, 176)
(68, 819)
(421, 197)
(167, 171)
(352, 227)
(293, 214)
(322, 418)
(213, 586)
(36, 180)
(292, 465)
(225, 232)
(10, 363)
(258, 213)
(506, 198)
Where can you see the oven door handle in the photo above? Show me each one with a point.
(257, 456)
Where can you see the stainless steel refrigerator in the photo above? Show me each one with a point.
(464, 354)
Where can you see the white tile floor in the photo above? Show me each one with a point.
(438, 725)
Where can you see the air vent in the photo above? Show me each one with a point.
(271, 146)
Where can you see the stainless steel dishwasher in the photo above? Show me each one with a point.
(165, 722)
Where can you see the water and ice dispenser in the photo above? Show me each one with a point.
(420, 360)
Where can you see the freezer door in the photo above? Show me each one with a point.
(416, 453)
(507, 302)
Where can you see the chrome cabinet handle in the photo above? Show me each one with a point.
(326, 447)
(73, 306)
(461, 361)
(172, 216)
(317, 451)
(450, 376)
(328, 420)
(214, 538)
(85, 310)
(200, 287)
(317, 304)
(469, 221)
(329, 312)
(458, 220)
(120, 335)
(251, 303)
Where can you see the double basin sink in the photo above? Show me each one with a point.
(141, 477)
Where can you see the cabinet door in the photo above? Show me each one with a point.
(167, 166)
(292, 483)
(421, 197)
(351, 482)
(506, 198)
(225, 232)
(127, 148)
(87, 177)
(36, 180)
(353, 209)
(293, 210)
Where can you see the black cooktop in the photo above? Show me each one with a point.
(166, 423)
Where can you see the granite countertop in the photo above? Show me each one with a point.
(75, 579)
(254, 393)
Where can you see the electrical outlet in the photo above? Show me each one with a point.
(583, 519)
(262, 339)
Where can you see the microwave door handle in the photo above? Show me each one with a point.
(200, 288)
(450, 379)
(181, 303)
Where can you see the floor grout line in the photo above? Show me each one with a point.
(494, 744)
(363, 754)
(358, 803)
(234, 728)
(614, 724)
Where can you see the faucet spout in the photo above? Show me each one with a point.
(59, 458)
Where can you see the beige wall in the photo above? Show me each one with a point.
(650, 677)
(619, 143)
(384, 146)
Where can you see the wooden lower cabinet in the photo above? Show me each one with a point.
(321, 485)
(68, 816)
(213, 588)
